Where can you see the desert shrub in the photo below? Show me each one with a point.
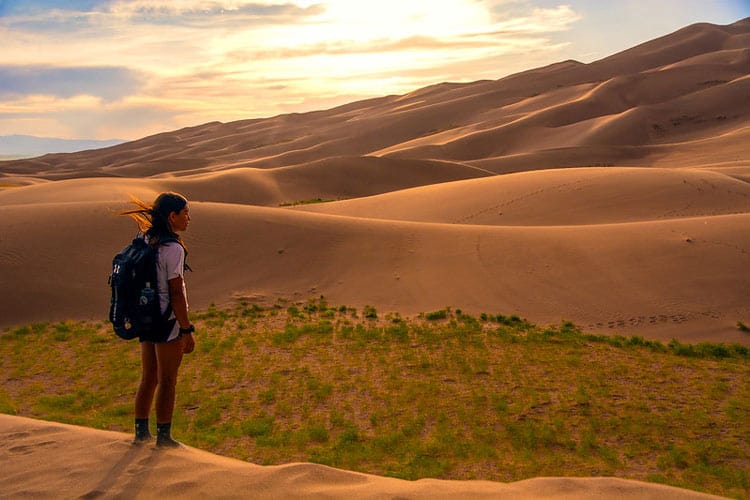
(436, 315)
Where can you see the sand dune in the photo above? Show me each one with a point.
(633, 110)
(330, 179)
(690, 85)
(87, 463)
(651, 278)
(645, 232)
(578, 196)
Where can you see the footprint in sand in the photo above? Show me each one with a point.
(639, 320)
(92, 494)
(636, 321)
(17, 435)
(26, 449)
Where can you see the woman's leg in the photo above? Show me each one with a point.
(168, 357)
(145, 394)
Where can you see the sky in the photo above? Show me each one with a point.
(126, 69)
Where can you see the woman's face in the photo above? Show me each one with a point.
(180, 220)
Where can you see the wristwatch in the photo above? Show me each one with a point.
(185, 331)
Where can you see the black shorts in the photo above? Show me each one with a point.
(161, 334)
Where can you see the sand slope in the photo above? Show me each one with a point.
(85, 463)
(681, 277)
(329, 179)
(575, 196)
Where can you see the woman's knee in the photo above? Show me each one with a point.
(168, 380)
(149, 379)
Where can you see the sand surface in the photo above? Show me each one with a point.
(80, 462)
(613, 194)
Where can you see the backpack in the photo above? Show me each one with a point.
(134, 307)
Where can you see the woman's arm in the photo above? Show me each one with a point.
(180, 308)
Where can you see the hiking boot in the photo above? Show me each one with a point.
(139, 440)
(164, 436)
(167, 442)
(142, 434)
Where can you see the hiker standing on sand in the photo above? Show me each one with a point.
(161, 352)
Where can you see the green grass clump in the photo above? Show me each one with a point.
(445, 394)
(370, 312)
(437, 315)
(304, 202)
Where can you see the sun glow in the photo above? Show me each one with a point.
(229, 59)
(250, 58)
(399, 19)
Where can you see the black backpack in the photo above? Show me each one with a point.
(134, 308)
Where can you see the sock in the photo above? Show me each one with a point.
(164, 430)
(141, 429)
(164, 435)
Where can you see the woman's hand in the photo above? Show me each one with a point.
(188, 343)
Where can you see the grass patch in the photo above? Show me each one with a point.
(444, 394)
(304, 202)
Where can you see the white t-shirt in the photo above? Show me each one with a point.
(170, 264)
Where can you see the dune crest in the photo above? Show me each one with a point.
(85, 463)
(560, 197)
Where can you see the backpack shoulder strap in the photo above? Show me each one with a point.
(175, 240)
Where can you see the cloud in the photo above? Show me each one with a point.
(520, 17)
(85, 117)
(340, 47)
(505, 39)
(100, 16)
(209, 8)
(26, 7)
(193, 61)
(13, 8)
(211, 14)
(108, 82)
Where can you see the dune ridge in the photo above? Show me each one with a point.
(87, 463)
(580, 196)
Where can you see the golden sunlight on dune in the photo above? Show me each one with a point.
(81, 462)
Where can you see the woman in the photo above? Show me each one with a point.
(161, 352)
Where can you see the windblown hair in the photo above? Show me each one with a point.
(153, 220)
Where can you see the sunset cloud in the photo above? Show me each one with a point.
(108, 82)
(193, 61)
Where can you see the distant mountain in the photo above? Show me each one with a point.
(19, 146)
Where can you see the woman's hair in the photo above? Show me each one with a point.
(153, 220)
